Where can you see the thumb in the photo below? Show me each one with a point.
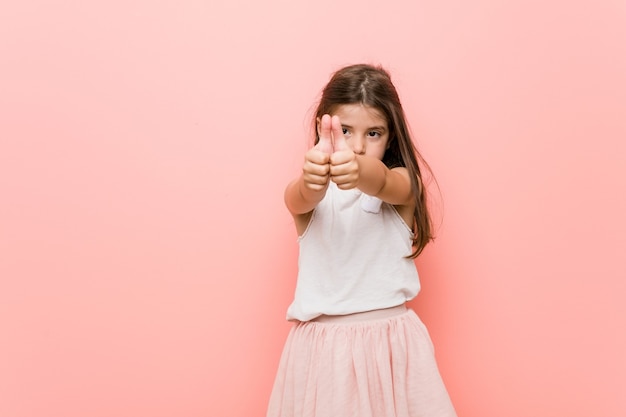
(324, 143)
(340, 143)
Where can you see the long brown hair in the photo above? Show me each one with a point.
(372, 87)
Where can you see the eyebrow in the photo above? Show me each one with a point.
(369, 128)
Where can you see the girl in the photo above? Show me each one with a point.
(361, 216)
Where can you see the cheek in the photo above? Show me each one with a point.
(388, 143)
(377, 151)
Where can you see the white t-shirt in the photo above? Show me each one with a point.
(352, 258)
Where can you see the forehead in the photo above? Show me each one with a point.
(359, 115)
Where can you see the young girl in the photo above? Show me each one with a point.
(361, 216)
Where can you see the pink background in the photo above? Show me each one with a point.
(146, 258)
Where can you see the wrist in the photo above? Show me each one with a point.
(372, 173)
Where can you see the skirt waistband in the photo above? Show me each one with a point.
(382, 313)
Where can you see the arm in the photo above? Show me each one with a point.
(390, 185)
(368, 174)
(301, 195)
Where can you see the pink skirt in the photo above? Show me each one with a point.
(374, 364)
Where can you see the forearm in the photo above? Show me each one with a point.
(301, 199)
(390, 185)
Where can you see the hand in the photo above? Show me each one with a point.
(344, 167)
(316, 169)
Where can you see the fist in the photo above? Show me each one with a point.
(316, 169)
(344, 167)
(331, 158)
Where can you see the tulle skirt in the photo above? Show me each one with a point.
(373, 364)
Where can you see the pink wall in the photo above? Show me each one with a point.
(146, 259)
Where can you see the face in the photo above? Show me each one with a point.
(365, 129)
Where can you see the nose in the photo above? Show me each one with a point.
(357, 144)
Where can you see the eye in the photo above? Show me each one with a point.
(373, 134)
(344, 130)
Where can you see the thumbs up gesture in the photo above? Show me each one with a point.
(316, 169)
(331, 158)
(344, 168)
